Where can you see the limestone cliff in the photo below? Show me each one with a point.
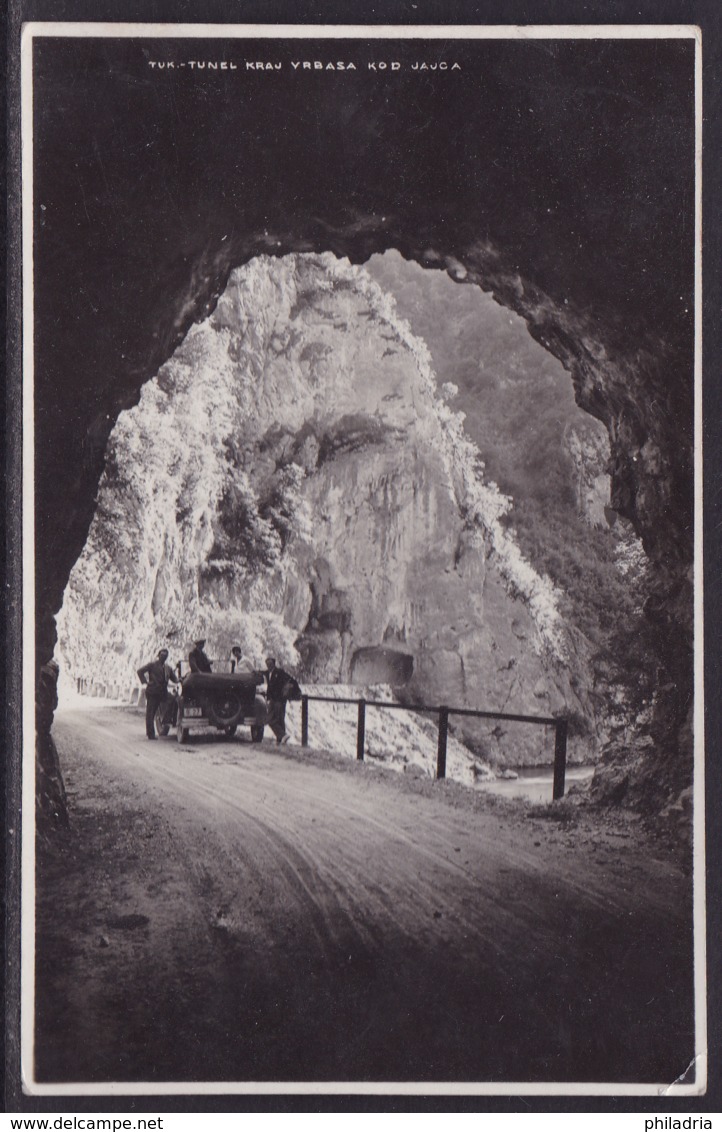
(293, 480)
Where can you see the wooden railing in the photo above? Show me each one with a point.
(443, 713)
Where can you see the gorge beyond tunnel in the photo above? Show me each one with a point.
(374, 501)
(143, 208)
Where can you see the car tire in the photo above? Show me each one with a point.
(225, 710)
(182, 732)
(257, 733)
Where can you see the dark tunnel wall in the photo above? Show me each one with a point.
(558, 175)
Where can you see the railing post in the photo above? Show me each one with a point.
(361, 731)
(560, 758)
(443, 736)
(304, 721)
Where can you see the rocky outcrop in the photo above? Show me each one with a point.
(589, 456)
(51, 801)
(293, 480)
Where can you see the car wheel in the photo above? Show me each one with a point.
(257, 733)
(225, 710)
(182, 732)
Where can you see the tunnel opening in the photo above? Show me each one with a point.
(381, 665)
(257, 495)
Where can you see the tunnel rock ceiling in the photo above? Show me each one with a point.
(537, 180)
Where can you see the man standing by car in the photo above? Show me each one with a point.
(280, 688)
(241, 663)
(197, 658)
(155, 676)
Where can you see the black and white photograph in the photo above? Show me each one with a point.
(362, 582)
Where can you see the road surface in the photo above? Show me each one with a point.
(220, 910)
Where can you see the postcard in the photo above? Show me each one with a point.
(362, 561)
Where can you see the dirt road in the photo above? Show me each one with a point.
(227, 911)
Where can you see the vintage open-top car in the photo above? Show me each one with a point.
(215, 699)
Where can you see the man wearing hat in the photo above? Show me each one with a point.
(197, 659)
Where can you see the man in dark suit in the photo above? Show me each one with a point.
(280, 688)
(155, 677)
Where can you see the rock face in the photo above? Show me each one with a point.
(589, 455)
(294, 481)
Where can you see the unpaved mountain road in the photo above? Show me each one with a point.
(226, 911)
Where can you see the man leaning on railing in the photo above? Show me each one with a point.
(280, 688)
